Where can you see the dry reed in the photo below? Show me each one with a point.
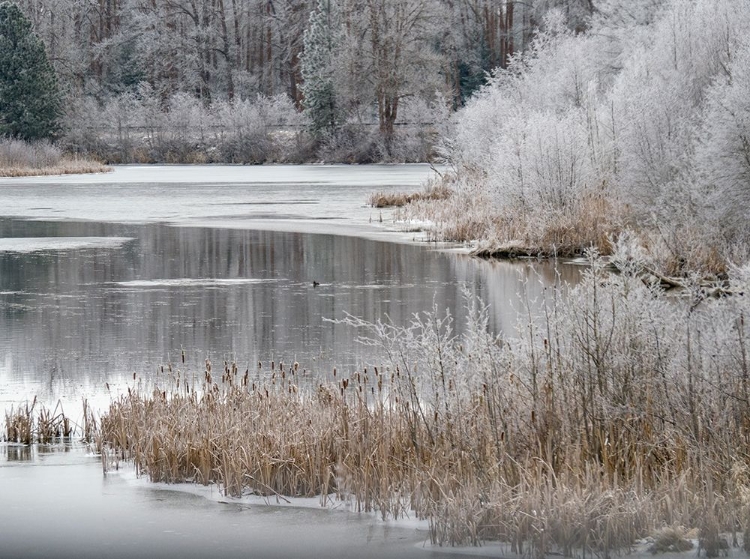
(23, 159)
(521, 230)
(613, 412)
(28, 424)
(432, 191)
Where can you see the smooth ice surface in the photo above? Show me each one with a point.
(56, 503)
(39, 244)
(309, 198)
(103, 276)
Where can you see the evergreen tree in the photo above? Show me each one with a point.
(320, 42)
(30, 102)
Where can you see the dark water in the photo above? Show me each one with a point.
(77, 318)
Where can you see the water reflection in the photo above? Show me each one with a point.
(73, 321)
(16, 453)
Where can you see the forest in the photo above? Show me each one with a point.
(277, 80)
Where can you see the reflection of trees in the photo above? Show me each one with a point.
(507, 285)
(80, 329)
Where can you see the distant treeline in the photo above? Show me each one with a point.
(342, 62)
(140, 128)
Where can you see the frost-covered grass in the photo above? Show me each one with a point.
(21, 159)
(517, 228)
(613, 412)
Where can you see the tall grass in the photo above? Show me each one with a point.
(432, 191)
(464, 213)
(19, 158)
(28, 424)
(612, 412)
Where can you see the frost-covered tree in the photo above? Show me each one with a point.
(30, 103)
(644, 112)
(724, 146)
(322, 38)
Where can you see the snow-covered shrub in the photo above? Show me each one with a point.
(141, 126)
(723, 151)
(645, 112)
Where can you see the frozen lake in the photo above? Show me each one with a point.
(103, 276)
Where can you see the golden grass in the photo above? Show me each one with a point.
(63, 167)
(521, 230)
(613, 413)
(22, 159)
(433, 191)
(28, 424)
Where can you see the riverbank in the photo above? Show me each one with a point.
(64, 167)
(613, 412)
(598, 221)
(610, 409)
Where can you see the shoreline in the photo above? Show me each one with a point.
(355, 218)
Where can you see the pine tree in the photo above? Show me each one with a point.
(30, 102)
(317, 69)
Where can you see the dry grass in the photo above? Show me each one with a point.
(28, 424)
(433, 191)
(65, 167)
(22, 159)
(593, 219)
(613, 412)
(521, 230)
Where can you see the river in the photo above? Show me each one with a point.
(107, 276)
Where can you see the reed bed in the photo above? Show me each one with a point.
(611, 413)
(520, 230)
(22, 159)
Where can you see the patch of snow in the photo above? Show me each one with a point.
(39, 244)
(191, 282)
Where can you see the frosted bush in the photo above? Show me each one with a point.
(645, 114)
